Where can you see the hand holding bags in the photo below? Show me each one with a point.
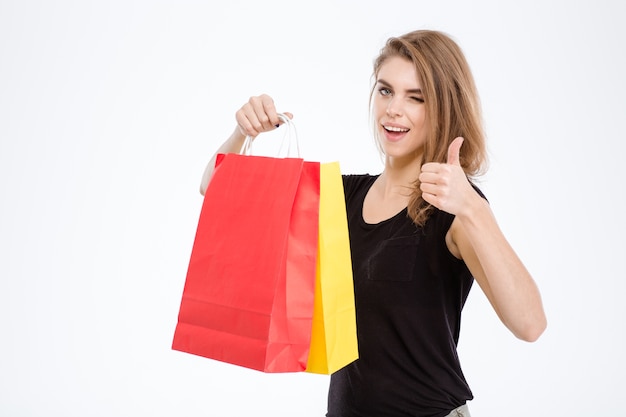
(251, 286)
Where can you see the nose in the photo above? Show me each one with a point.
(393, 108)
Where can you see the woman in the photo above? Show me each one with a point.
(420, 234)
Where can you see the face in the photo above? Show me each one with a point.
(399, 110)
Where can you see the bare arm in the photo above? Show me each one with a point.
(231, 145)
(476, 238)
(256, 116)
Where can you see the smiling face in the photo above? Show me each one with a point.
(399, 110)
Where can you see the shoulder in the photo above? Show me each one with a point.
(479, 191)
(353, 183)
(443, 224)
(455, 237)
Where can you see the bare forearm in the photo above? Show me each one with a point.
(254, 117)
(504, 278)
(232, 145)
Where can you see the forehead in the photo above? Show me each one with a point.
(399, 72)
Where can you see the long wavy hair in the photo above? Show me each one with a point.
(451, 100)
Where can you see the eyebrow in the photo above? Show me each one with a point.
(411, 91)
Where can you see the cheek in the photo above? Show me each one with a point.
(378, 108)
(419, 119)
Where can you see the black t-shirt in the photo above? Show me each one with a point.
(409, 293)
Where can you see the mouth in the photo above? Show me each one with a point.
(394, 133)
(394, 129)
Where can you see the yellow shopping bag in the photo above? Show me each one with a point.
(334, 337)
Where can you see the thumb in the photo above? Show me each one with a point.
(453, 151)
(280, 121)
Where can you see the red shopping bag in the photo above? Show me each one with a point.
(249, 290)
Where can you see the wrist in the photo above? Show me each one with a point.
(476, 208)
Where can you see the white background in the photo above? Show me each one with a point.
(110, 110)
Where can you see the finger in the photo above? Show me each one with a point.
(433, 167)
(429, 198)
(265, 116)
(267, 112)
(428, 178)
(428, 188)
(289, 115)
(280, 119)
(246, 127)
(453, 151)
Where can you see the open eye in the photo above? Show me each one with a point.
(384, 91)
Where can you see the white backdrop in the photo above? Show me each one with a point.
(110, 110)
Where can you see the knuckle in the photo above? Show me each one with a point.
(257, 126)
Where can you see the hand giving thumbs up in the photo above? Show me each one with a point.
(446, 186)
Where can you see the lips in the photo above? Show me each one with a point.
(394, 133)
(395, 129)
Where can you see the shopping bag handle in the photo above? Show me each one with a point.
(290, 135)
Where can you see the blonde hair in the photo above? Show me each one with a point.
(451, 100)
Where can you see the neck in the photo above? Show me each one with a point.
(398, 177)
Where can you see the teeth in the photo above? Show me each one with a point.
(395, 129)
